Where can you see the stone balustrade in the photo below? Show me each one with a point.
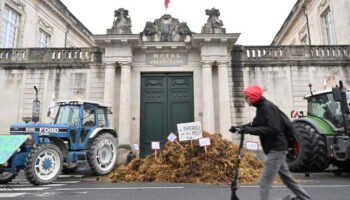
(292, 52)
(325, 55)
(50, 55)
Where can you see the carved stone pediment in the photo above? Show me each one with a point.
(214, 24)
(122, 22)
(165, 29)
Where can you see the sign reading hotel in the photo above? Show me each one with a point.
(166, 59)
(189, 131)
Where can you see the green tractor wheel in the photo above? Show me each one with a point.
(43, 164)
(102, 155)
(307, 150)
(6, 177)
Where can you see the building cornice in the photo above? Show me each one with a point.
(292, 18)
(60, 10)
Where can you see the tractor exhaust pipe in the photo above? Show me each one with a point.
(36, 107)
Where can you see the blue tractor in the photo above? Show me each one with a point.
(79, 133)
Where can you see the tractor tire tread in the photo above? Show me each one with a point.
(28, 169)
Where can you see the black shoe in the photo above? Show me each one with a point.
(288, 197)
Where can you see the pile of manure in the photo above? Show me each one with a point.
(187, 162)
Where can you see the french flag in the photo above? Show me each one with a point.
(166, 3)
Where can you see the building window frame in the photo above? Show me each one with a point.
(328, 26)
(44, 39)
(9, 28)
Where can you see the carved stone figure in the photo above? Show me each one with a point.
(165, 29)
(121, 23)
(214, 24)
(149, 29)
(183, 29)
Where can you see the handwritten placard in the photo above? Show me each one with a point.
(155, 145)
(253, 146)
(204, 141)
(172, 137)
(9, 144)
(136, 147)
(189, 131)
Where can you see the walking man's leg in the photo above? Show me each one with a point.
(271, 168)
(288, 180)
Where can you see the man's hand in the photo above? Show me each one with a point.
(233, 129)
(247, 129)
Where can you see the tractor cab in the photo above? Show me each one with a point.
(323, 136)
(82, 118)
(82, 114)
(322, 105)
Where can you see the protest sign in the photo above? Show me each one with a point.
(253, 146)
(189, 131)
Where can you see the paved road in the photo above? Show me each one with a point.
(81, 185)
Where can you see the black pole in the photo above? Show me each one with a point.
(234, 186)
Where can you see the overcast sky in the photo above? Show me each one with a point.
(258, 21)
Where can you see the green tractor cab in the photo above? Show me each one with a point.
(323, 136)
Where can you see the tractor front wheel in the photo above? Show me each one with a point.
(6, 177)
(43, 164)
(102, 155)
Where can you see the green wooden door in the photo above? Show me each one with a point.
(166, 100)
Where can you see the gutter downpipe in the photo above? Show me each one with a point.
(307, 25)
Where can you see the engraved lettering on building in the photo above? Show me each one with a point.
(167, 59)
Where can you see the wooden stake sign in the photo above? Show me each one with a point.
(189, 131)
(155, 147)
(204, 142)
(172, 138)
(252, 146)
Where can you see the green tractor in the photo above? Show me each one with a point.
(323, 136)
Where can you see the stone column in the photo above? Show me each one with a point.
(125, 105)
(208, 98)
(109, 89)
(224, 100)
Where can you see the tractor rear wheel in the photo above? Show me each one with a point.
(6, 177)
(102, 155)
(307, 150)
(43, 164)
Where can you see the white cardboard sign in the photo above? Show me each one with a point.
(172, 137)
(136, 147)
(155, 145)
(204, 141)
(189, 131)
(253, 146)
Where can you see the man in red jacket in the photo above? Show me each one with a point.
(269, 126)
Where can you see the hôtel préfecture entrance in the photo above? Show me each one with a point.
(166, 75)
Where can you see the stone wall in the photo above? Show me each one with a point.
(284, 73)
(64, 73)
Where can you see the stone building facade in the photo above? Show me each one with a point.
(164, 76)
(316, 22)
(43, 23)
